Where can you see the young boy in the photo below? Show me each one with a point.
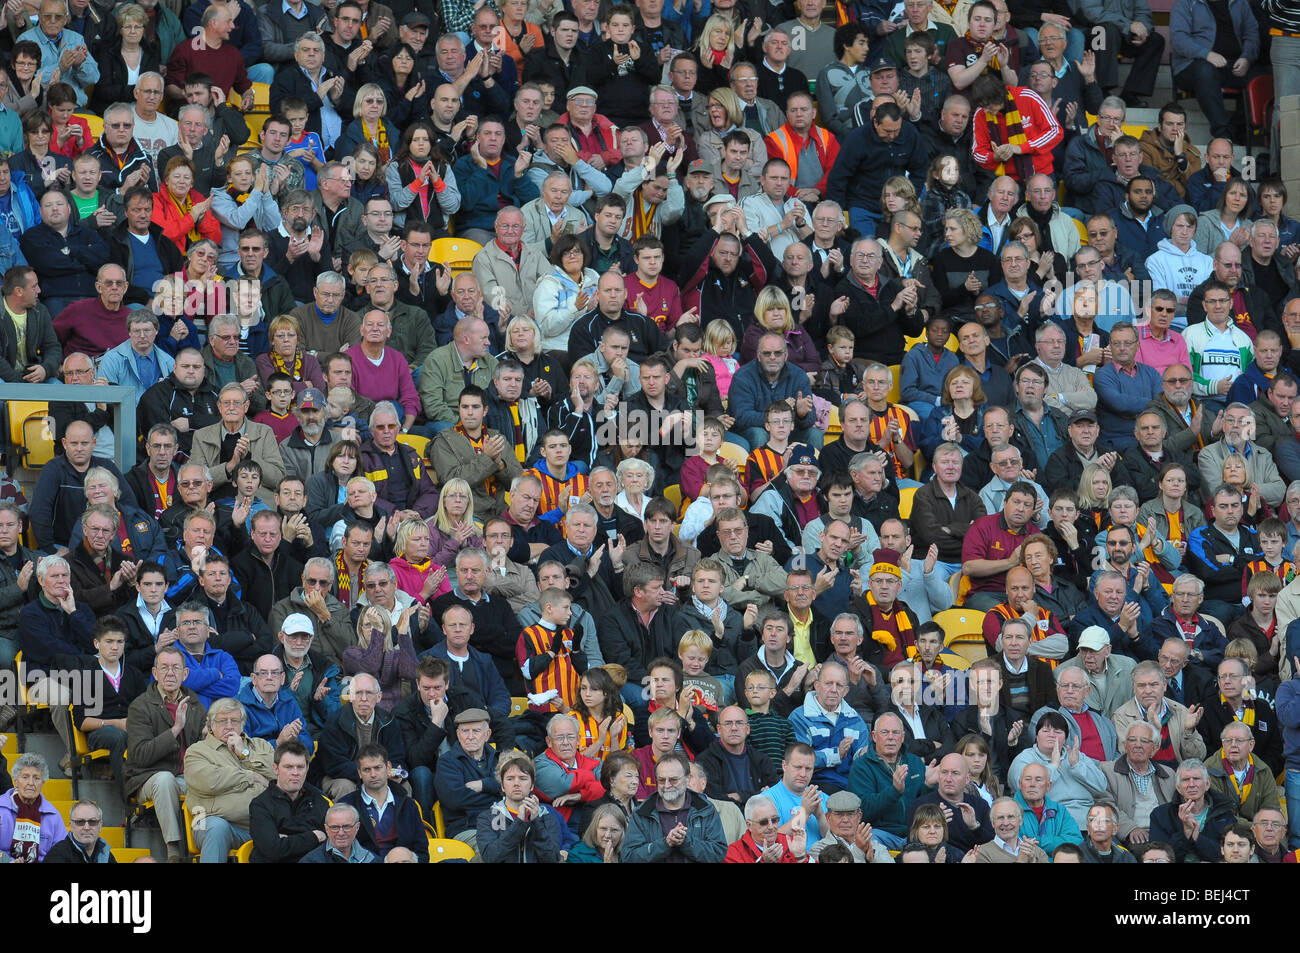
(924, 368)
(648, 292)
(766, 463)
(707, 441)
(549, 656)
(548, 114)
(726, 627)
(563, 482)
(921, 73)
(86, 194)
(339, 403)
(1272, 541)
(277, 416)
(769, 732)
(303, 145)
(358, 267)
(841, 376)
(693, 651)
(248, 488)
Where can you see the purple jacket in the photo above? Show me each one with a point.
(53, 829)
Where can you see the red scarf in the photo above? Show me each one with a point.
(421, 188)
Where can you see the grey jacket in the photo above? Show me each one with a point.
(645, 842)
(1121, 791)
(1118, 687)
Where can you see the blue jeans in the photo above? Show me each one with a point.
(114, 739)
(948, 569)
(261, 73)
(422, 790)
(890, 841)
(864, 222)
(216, 837)
(1293, 814)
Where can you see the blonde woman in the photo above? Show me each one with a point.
(772, 313)
(417, 574)
(246, 200)
(453, 527)
(716, 51)
(385, 651)
(369, 108)
(1094, 486)
(896, 195)
(543, 378)
(288, 356)
(727, 115)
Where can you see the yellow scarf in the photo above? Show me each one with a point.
(184, 209)
(379, 138)
(900, 620)
(280, 366)
(643, 217)
(1248, 718)
(1242, 790)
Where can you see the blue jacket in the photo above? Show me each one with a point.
(491, 686)
(1120, 398)
(1204, 190)
(1056, 828)
(118, 366)
(66, 264)
(921, 378)
(751, 393)
(266, 723)
(409, 826)
(812, 727)
(1287, 705)
(1145, 648)
(1142, 242)
(1209, 641)
(214, 676)
(883, 805)
(479, 190)
(1250, 386)
(180, 574)
(146, 536)
(461, 806)
(1192, 29)
(865, 162)
(46, 631)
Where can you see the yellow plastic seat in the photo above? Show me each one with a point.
(673, 494)
(261, 98)
(456, 253)
(25, 706)
(31, 432)
(439, 822)
(245, 852)
(919, 340)
(94, 123)
(188, 820)
(58, 789)
(129, 855)
(420, 444)
(81, 755)
(960, 625)
(895, 392)
(115, 837)
(441, 848)
(255, 122)
(905, 501)
(1081, 229)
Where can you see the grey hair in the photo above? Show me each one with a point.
(635, 464)
(1009, 246)
(523, 478)
(383, 409)
(755, 802)
(150, 75)
(31, 760)
(584, 509)
(341, 807)
(222, 321)
(105, 475)
(319, 562)
(857, 622)
(329, 278)
(207, 474)
(1009, 800)
(311, 36)
(378, 566)
(859, 461)
(117, 109)
(610, 471)
(191, 107)
(1154, 735)
(1261, 223)
(223, 705)
(47, 563)
(1113, 102)
(473, 552)
(1194, 764)
(560, 720)
(1108, 574)
(1124, 492)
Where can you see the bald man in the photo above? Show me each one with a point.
(968, 816)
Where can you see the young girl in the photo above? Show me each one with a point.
(453, 527)
(941, 196)
(897, 195)
(983, 781)
(367, 177)
(303, 145)
(720, 352)
(71, 136)
(600, 713)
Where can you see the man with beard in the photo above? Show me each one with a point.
(612, 520)
(305, 450)
(1190, 427)
(297, 249)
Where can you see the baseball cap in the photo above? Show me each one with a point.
(297, 624)
(416, 19)
(311, 399)
(1079, 416)
(881, 63)
(698, 165)
(1093, 638)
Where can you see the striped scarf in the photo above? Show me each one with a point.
(379, 139)
(1248, 711)
(898, 618)
(1191, 412)
(1041, 631)
(642, 220)
(1242, 790)
(345, 579)
(1005, 129)
(880, 424)
(1285, 570)
(762, 466)
(489, 484)
(283, 368)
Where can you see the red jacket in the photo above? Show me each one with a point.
(745, 851)
(603, 130)
(583, 780)
(786, 144)
(1040, 126)
(167, 216)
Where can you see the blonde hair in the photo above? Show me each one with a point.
(730, 104)
(1238, 459)
(1086, 499)
(716, 335)
(695, 639)
(772, 297)
(904, 188)
(716, 21)
(404, 531)
(440, 518)
(369, 88)
(967, 221)
(282, 321)
(380, 616)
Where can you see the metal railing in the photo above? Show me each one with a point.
(120, 399)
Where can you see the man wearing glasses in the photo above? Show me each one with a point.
(63, 49)
(221, 446)
(273, 712)
(312, 603)
(160, 725)
(83, 845)
(358, 723)
(342, 822)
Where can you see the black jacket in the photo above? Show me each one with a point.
(262, 585)
(291, 82)
(1064, 468)
(139, 640)
(496, 633)
(1167, 826)
(271, 814)
(1144, 473)
(647, 339)
(409, 831)
(166, 401)
(59, 500)
(114, 85)
(878, 330)
(41, 345)
(714, 762)
(729, 297)
(545, 65)
(939, 738)
(336, 755)
(66, 264)
(423, 738)
(624, 639)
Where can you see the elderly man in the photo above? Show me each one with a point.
(1238, 437)
(325, 325)
(224, 771)
(160, 725)
(137, 362)
(1076, 779)
(1269, 830)
(1239, 776)
(83, 845)
(211, 52)
(58, 500)
(1179, 739)
(1120, 614)
(762, 842)
(878, 308)
(450, 368)
(505, 283)
(359, 722)
(399, 476)
(1194, 820)
(1109, 674)
(888, 778)
(992, 546)
(846, 828)
(1190, 426)
(834, 729)
(381, 372)
(223, 362)
(62, 50)
(271, 708)
(1252, 306)
(1136, 785)
(1068, 388)
(314, 603)
(465, 778)
(790, 501)
(567, 779)
(342, 824)
(1204, 642)
(1236, 705)
(1098, 738)
(752, 576)
(1148, 455)
(123, 163)
(1008, 845)
(1081, 448)
(220, 447)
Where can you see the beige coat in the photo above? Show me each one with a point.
(1122, 791)
(221, 784)
(501, 281)
(263, 448)
(991, 853)
(453, 457)
(764, 580)
(1187, 741)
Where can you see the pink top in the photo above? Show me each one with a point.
(391, 380)
(723, 367)
(411, 580)
(1161, 354)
